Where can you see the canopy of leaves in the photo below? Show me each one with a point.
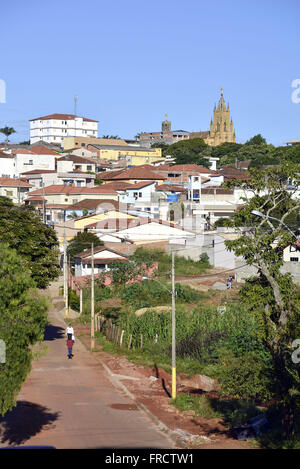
(272, 293)
(36, 242)
(81, 242)
(189, 151)
(23, 317)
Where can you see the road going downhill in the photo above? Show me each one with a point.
(72, 404)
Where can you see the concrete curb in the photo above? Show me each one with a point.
(173, 435)
(116, 382)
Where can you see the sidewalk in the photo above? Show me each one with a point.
(74, 404)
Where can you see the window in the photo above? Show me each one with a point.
(9, 193)
(140, 194)
(294, 259)
(89, 168)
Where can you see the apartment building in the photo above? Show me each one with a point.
(55, 127)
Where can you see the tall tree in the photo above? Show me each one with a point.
(189, 151)
(36, 242)
(23, 317)
(272, 293)
(81, 242)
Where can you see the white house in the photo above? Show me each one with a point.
(102, 259)
(75, 163)
(32, 159)
(14, 189)
(7, 165)
(39, 178)
(141, 229)
(140, 193)
(55, 127)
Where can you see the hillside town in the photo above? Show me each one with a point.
(150, 237)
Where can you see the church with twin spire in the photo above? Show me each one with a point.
(221, 129)
(221, 126)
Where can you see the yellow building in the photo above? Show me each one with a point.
(83, 142)
(81, 223)
(129, 155)
(221, 126)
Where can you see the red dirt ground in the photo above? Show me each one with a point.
(154, 394)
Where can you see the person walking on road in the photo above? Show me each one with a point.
(70, 344)
(70, 333)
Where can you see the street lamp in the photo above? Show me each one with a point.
(173, 292)
(262, 215)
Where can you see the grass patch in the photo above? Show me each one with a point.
(183, 266)
(231, 411)
(39, 350)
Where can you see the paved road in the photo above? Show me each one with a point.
(72, 404)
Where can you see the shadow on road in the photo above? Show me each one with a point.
(53, 332)
(24, 421)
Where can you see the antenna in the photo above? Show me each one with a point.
(75, 104)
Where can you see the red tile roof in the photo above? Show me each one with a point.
(40, 171)
(13, 183)
(61, 116)
(138, 172)
(38, 150)
(77, 159)
(187, 168)
(65, 189)
(98, 250)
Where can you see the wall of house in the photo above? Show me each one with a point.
(143, 195)
(26, 162)
(7, 167)
(101, 216)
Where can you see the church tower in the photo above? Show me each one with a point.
(221, 126)
(166, 125)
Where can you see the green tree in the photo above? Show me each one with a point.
(23, 317)
(189, 151)
(36, 242)
(272, 293)
(7, 131)
(256, 140)
(81, 242)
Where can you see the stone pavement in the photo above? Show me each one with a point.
(73, 404)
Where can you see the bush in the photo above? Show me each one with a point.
(74, 300)
(244, 377)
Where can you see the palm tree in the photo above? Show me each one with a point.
(7, 131)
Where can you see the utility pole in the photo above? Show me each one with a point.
(173, 329)
(66, 293)
(44, 204)
(92, 303)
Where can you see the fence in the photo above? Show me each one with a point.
(115, 334)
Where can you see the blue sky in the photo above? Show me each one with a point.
(130, 62)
